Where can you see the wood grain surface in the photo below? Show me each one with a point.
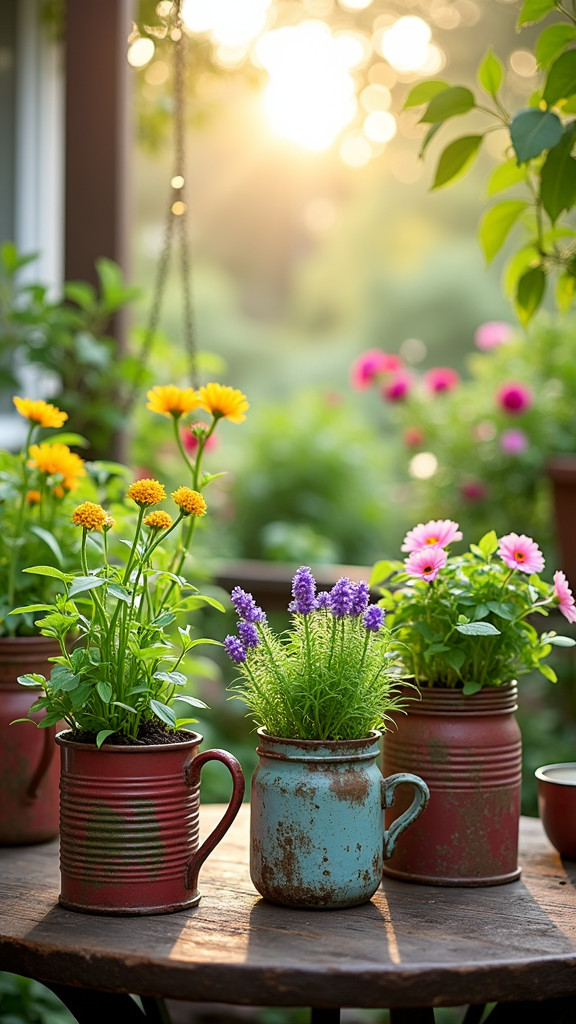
(412, 945)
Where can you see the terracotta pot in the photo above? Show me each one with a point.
(317, 835)
(557, 805)
(469, 751)
(129, 824)
(29, 767)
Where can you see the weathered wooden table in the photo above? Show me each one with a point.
(411, 948)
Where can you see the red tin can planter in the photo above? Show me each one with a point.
(29, 766)
(129, 825)
(469, 751)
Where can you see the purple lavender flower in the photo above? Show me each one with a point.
(342, 597)
(246, 606)
(374, 618)
(303, 591)
(323, 599)
(235, 649)
(248, 634)
(360, 598)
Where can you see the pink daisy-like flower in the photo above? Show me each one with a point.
(442, 378)
(397, 387)
(520, 552)
(514, 398)
(492, 334)
(437, 532)
(513, 442)
(564, 594)
(426, 563)
(372, 364)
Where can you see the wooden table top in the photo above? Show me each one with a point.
(412, 945)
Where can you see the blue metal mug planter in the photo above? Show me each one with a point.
(317, 836)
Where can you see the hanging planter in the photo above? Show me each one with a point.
(469, 750)
(129, 824)
(29, 768)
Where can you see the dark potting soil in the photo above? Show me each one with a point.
(150, 734)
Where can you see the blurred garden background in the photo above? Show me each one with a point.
(389, 376)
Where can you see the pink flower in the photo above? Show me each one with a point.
(191, 437)
(437, 532)
(520, 552)
(513, 442)
(426, 563)
(564, 595)
(474, 490)
(372, 364)
(492, 334)
(413, 437)
(514, 398)
(442, 378)
(397, 387)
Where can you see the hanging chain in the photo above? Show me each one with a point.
(177, 223)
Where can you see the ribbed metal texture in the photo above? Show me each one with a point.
(29, 763)
(469, 751)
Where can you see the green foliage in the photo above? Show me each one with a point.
(469, 626)
(542, 137)
(67, 338)
(24, 1001)
(327, 677)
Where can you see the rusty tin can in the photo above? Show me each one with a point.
(317, 835)
(129, 824)
(29, 768)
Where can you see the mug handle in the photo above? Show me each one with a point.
(421, 798)
(192, 776)
(48, 751)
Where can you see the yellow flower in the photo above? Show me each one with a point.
(171, 400)
(33, 497)
(55, 459)
(146, 492)
(40, 412)
(223, 401)
(158, 520)
(90, 516)
(108, 522)
(191, 502)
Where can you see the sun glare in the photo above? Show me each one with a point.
(310, 95)
(406, 45)
(231, 23)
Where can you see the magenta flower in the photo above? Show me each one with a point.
(426, 563)
(397, 387)
(436, 532)
(413, 437)
(473, 490)
(442, 378)
(513, 442)
(514, 398)
(520, 552)
(370, 365)
(492, 334)
(564, 594)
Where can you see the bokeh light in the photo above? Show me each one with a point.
(140, 51)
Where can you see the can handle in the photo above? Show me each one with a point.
(192, 776)
(46, 756)
(419, 802)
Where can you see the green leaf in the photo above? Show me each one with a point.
(163, 712)
(560, 641)
(120, 704)
(82, 583)
(501, 609)
(530, 293)
(533, 131)
(455, 658)
(32, 608)
(104, 690)
(32, 679)
(67, 437)
(424, 92)
(552, 41)
(491, 73)
(561, 81)
(49, 570)
(565, 291)
(194, 701)
(534, 10)
(382, 571)
(548, 672)
(49, 540)
(517, 265)
(456, 159)
(497, 224)
(174, 678)
(102, 735)
(488, 544)
(450, 102)
(478, 629)
(558, 178)
(119, 592)
(428, 138)
(471, 687)
(505, 176)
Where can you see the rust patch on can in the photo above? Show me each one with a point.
(350, 786)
